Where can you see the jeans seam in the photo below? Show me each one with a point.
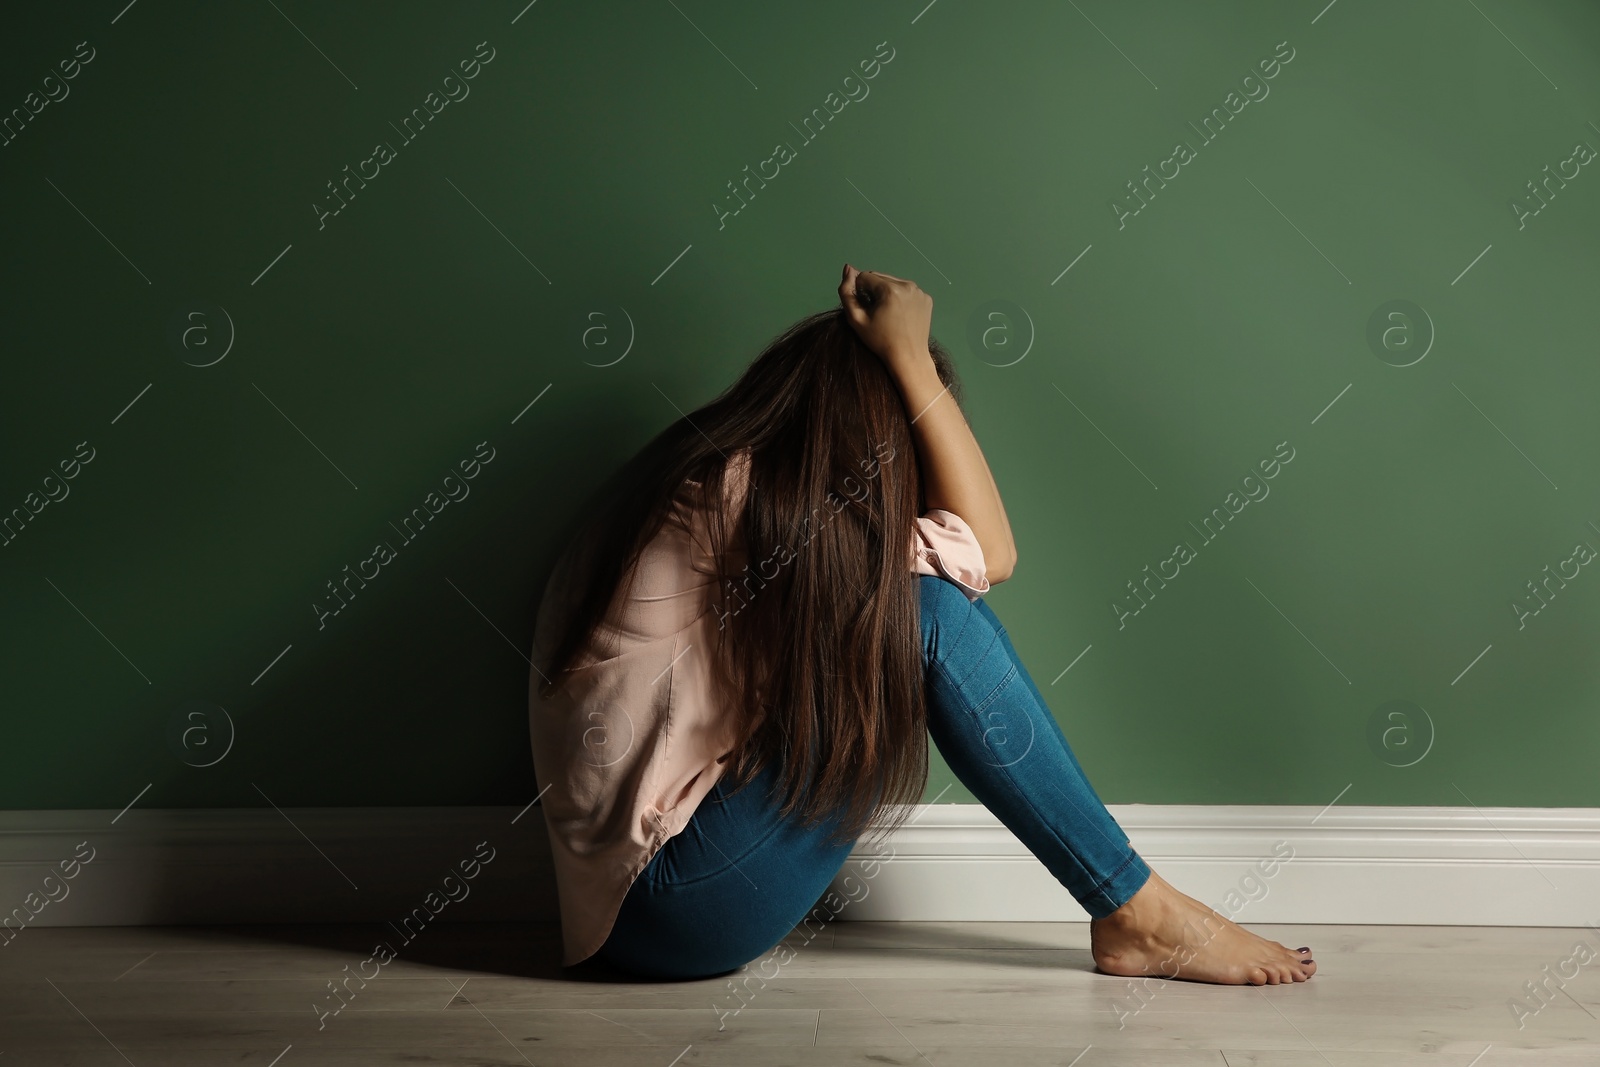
(733, 863)
(1054, 833)
(1100, 888)
(995, 692)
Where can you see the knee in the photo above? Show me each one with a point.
(942, 596)
(946, 611)
(943, 602)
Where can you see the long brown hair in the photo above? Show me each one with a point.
(819, 642)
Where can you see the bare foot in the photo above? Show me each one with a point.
(1165, 933)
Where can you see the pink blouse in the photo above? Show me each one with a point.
(625, 752)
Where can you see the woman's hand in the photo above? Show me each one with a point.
(890, 315)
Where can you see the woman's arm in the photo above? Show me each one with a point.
(894, 324)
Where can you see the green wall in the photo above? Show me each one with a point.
(175, 198)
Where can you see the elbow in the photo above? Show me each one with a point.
(1000, 568)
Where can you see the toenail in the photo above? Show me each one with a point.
(1302, 950)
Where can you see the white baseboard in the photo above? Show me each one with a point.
(1368, 865)
(1382, 865)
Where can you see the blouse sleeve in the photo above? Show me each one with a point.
(947, 547)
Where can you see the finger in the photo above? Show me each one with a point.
(847, 295)
(868, 290)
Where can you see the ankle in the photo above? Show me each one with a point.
(1148, 901)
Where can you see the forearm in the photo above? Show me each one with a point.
(955, 476)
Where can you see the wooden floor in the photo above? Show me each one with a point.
(946, 994)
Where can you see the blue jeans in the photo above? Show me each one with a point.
(737, 878)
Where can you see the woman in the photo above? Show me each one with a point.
(736, 669)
